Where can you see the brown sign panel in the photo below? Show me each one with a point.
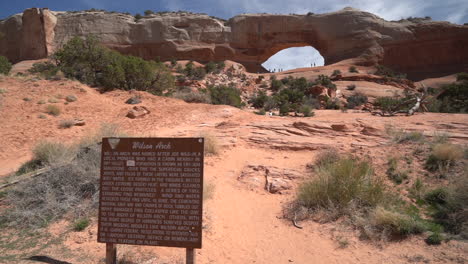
(151, 192)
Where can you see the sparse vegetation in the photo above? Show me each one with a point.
(387, 72)
(336, 73)
(80, 224)
(67, 123)
(53, 110)
(69, 187)
(443, 156)
(46, 69)
(190, 96)
(351, 87)
(353, 69)
(212, 146)
(394, 173)
(214, 67)
(356, 100)
(5, 65)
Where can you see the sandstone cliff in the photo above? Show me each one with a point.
(421, 49)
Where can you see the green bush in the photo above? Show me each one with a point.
(353, 69)
(306, 111)
(89, 62)
(387, 103)
(351, 87)
(80, 224)
(462, 76)
(259, 99)
(148, 12)
(336, 73)
(46, 69)
(5, 65)
(452, 99)
(356, 100)
(214, 67)
(325, 81)
(225, 95)
(448, 205)
(387, 72)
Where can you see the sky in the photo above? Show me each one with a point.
(455, 11)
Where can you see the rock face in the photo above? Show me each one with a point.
(420, 48)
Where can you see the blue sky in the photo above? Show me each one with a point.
(455, 11)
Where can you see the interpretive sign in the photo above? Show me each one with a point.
(151, 192)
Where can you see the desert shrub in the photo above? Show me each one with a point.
(208, 190)
(210, 67)
(448, 205)
(89, 62)
(199, 73)
(192, 97)
(69, 187)
(5, 65)
(400, 136)
(71, 98)
(325, 81)
(452, 99)
(443, 156)
(29, 166)
(260, 112)
(336, 73)
(45, 69)
(387, 72)
(148, 12)
(356, 100)
(435, 238)
(80, 224)
(306, 111)
(214, 67)
(53, 110)
(462, 76)
(50, 153)
(326, 157)
(395, 222)
(259, 99)
(225, 95)
(387, 103)
(340, 184)
(353, 69)
(138, 17)
(66, 123)
(417, 190)
(276, 85)
(332, 103)
(351, 87)
(212, 146)
(393, 172)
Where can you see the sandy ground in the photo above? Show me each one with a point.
(243, 223)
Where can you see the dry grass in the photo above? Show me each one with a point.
(53, 110)
(69, 187)
(212, 146)
(67, 123)
(443, 156)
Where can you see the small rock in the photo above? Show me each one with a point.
(133, 100)
(71, 98)
(138, 112)
(79, 122)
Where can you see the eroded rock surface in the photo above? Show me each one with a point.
(272, 179)
(420, 48)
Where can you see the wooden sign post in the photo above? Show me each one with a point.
(151, 193)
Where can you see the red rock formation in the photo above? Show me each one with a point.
(419, 48)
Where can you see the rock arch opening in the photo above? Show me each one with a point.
(293, 58)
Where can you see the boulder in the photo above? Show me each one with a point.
(138, 112)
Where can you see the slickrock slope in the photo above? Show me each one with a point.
(420, 48)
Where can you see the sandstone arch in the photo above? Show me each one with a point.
(419, 48)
